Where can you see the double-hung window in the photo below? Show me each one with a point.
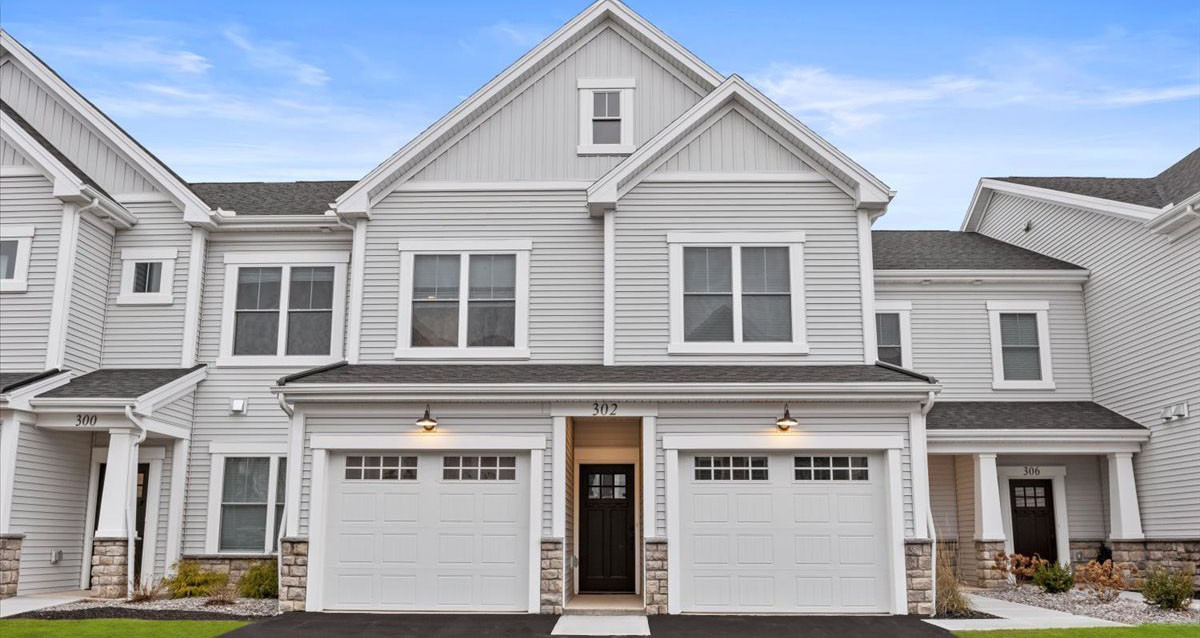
(247, 500)
(1020, 332)
(605, 116)
(464, 299)
(16, 243)
(737, 293)
(283, 308)
(893, 333)
(147, 276)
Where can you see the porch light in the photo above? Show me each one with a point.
(426, 421)
(786, 421)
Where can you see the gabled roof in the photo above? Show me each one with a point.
(271, 198)
(954, 250)
(357, 199)
(1026, 415)
(1178, 182)
(867, 190)
(10, 381)
(41, 140)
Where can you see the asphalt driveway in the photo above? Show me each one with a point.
(303, 625)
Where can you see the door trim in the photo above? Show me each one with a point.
(634, 545)
(1057, 474)
(152, 455)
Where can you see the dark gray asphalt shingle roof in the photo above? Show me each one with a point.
(553, 373)
(10, 381)
(271, 198)
(117, 383)
(1175, 184)
(1025, 415)
(51, 148)
(953, 250)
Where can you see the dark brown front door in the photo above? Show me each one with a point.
(143, 472)
(1033, 519)
(606, 535)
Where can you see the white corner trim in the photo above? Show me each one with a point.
(1057, 474)
(610, 287)
(197, 252)
(427, 441)
(744, 238)
(296, 258)
(793, 440)
(358, 258)
(895, 524)
(535, 530)
(464, 245)
(1041, 310)
(866, 286)
(606, 83)
(64, 279)
(674, 537)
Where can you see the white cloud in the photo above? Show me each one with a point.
(517, 34)
(273, 56)
(137, 52)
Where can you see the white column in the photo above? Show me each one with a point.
(118, 480)
(989, 524)
(558, 481)
(10, 430)
(920, 473)
(179, 467)
(649, 493)
(1125, 522)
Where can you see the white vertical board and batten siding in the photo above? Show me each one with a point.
(735, 143)
(951, 339)
(827, 216)
(69, 134)
(1141, 298)
(10, 155)
(566, 287)
(23, 341)
(89, 296)
(128, 328)
(534, 135)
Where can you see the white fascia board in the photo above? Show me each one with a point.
(428, 441)
(922, 276)
(19, 399)
(169, 392)
(194, 208)
(1178, 220)
(982, 198)
(357, 198)
(228, 221)
(1018, 441)
(791, 440)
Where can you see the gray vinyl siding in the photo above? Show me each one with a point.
(148, 336)
(89, 297)
(49, 505)
(832, 290)
(485, 418)
(751, 418)
(24, 316)
(734, 143)
(69, 134)
(10, 155)
(1141, 301)
(951, 338)
(942, 497)
(178, 413)
(534, 136)
(566, 265)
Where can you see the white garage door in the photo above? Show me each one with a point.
(783, 533)
(428, 531)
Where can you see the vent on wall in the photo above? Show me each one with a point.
(1173, 412)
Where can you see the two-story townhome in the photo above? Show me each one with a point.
(616, 325)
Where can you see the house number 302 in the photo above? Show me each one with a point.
(604, 409)
(1033, 470)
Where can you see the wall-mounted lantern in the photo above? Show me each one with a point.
(427, 422)
(786, 421)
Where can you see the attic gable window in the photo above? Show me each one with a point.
(605, 116)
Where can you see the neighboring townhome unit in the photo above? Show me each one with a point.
(615, 324)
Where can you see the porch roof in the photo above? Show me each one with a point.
(10, 381)
(1026, 415)
(118, 383)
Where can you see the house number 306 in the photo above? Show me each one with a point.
(604, 409)
(1033, 470)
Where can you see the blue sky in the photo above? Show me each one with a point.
(929, 96)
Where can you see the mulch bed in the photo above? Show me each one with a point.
(968, 615)
(125, 612)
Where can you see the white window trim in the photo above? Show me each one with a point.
(1042, 310)
(521, 248)
(286, 261)
(586, 87)
(794, 241)
(166, 287)
(24, 235)
(212, 537)
(904, 309)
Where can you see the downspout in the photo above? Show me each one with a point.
(131, 504)
(933, 555)
(289, 410)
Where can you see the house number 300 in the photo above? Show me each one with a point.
(604, 409)
(85, 420)
(1033, 471)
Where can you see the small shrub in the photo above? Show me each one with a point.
(1053, 578)
(1168, 590)
(260, 581)
(190, 581)
(1019, 568)
(1103, 580)
(143, 592)
(223, 595)
(951, 601)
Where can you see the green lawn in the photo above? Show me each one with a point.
(116, 628)
(1141, 631)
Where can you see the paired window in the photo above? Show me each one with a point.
(147, 276)
(831, 468)
(605, 125)
(730, 468)
(1020, 345)
(465, 304)
(381, 468)
(16, 243)
(252, 499)
(283, 313)
(893, 332)
(479, 468)
(739, 296)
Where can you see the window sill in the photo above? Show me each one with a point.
(273, 361)
(14, 285)
(512, 354)
(146, 299)
(759, 347)
(605, 149)
(1022, 385)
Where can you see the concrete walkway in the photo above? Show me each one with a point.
(601, 626)
(1009, 615)
(33, 602)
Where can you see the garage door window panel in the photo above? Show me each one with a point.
(381, 468)
(479, 468)
(730, 468)
(831, 468)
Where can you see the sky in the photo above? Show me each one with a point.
(928, 96)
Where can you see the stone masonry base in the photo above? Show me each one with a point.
(918, 568)
(552, 576)
(986, 574)
(1171, 555)
(10, 563)
(293, 582)
(656, 576)
(110, 558)
(233, 566)
(1084, 551)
